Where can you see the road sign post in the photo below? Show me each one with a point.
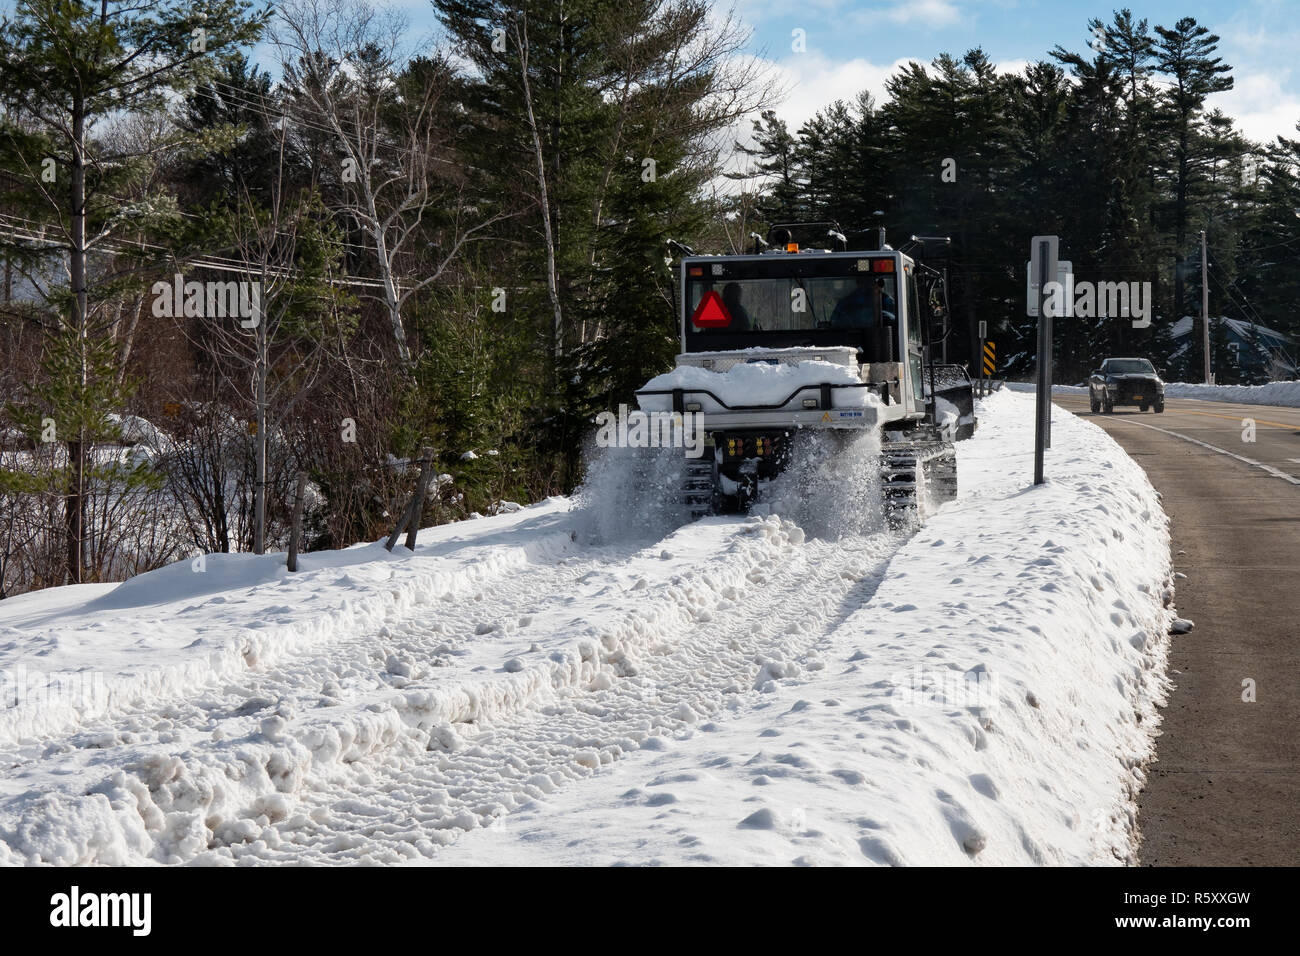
(1043, 261)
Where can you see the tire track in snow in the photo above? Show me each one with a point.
(348, 673)
(402, 806)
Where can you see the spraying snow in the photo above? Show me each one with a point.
(831, 488)
(629, 494)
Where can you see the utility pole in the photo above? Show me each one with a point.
(1205, 309)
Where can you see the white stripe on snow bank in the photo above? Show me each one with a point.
(1286, 394)
(1048, 601)
(1274, 393)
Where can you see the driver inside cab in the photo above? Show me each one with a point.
(857, 309)
(740, 321)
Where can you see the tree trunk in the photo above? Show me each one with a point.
(75, 502)
(296, 534)
(552, 280)
(1180, 219)
(259, 466)
(392, 297)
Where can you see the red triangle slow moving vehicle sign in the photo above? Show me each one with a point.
(711, 313)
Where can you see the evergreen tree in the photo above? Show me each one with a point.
(776, 165)
(1185, 53)
(66, 65)
(603, 119)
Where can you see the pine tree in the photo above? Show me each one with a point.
(1185, 54)
(777, 166)
(66, 65)
(603, 120)
(77, 390)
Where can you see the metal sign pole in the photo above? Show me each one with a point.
(1047, 364)
(1043, 257)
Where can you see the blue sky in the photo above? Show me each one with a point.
(856, 44)
(853, 45)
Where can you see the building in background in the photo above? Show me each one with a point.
(1258, 353)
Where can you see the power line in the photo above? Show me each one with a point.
(191, 215)
(1251, 312)
(1266, 349)
(272, 112)
(127, 246)
(1284, 242)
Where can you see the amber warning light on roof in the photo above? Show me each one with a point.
(711, 313)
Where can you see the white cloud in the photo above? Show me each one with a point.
(815, 82)
(932, 13)
(1012, 66)
(1261, 105)
(812, 82)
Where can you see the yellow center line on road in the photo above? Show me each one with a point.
(1227, 418)
(1232, 418)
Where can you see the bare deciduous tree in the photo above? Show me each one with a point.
(343, 66)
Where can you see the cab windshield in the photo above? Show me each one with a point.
(784, 303)
(1129, 367)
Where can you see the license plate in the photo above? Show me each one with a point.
(1137, 398)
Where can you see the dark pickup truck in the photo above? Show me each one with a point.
(1126, 381)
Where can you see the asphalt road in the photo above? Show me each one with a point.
(1225, 786)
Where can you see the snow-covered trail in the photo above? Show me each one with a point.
(678, 662)
(566, 684)
(446, 717)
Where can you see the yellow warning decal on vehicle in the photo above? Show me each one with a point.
(826, 416)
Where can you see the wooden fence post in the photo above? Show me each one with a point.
(417, 503)
(411, 514)
(296, 533)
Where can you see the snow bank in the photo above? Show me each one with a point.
(141, 431)
(1030, 387)
(240, 782)
(993, 703)
(1274, 393)
(757, 383)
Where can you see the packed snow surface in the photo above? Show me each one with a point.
(535, 687)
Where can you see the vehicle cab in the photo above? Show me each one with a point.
(792, 306)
